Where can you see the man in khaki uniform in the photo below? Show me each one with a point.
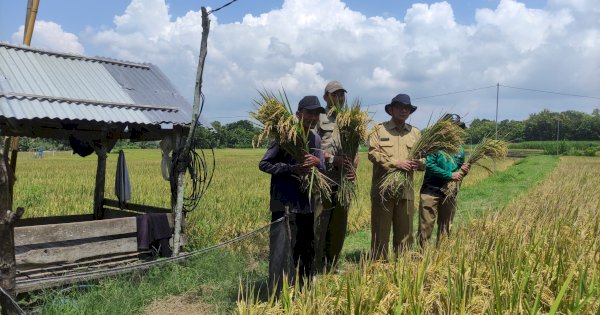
(331, 217)
(389, 145)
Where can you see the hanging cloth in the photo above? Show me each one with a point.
(122, 184)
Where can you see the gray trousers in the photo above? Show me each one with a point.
(331, 222)
(290, 247)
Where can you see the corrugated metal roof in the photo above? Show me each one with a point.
(41, 84)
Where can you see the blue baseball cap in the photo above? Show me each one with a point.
(310, 102)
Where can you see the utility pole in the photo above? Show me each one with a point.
(557, 135)
(497, 99)
(182, 160)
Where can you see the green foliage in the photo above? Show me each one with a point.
(510, 130)
(575, 148)
(33, 144)
(542, 126)
(238, 134)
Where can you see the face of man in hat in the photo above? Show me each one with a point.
(400, 112)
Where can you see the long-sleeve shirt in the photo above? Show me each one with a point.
(330, 141)
(439, 168)
(285, 185)
(389, 143)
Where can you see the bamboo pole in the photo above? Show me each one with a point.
(12, 143)
(182, 160)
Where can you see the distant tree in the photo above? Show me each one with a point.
(479, 129)
(541, 126)
(238, 134)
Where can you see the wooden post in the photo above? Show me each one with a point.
(8, 267)
(100, 181)
(181, 162)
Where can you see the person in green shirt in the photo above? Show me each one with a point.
(435, 206)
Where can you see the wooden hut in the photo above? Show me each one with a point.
(92, 102)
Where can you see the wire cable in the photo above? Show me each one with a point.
(88, 275)
(455, 92)
(221, 7)
(201, 171)
(550, 92)
(12, 301)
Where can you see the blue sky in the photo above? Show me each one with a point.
(376, 48)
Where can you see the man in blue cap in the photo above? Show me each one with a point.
(291, 239)
(389, 146)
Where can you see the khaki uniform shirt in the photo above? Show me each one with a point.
(388, 144)
(330, 142)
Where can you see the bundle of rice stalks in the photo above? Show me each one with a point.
(280, 125)
(443, 136)
(352, 124)
(487, 148)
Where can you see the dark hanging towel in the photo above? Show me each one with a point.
(122, 185)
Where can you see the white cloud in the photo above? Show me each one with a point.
(51, 36)
(303, 77)
(306, 43)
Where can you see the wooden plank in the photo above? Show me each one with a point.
(135, 207)
(94, 263)
(49, 233)
(71, 254)
(40, 273)
(55, 220)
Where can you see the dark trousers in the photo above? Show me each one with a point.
(290, 247)
(331, 221)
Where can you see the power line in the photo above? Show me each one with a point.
(455, 92)
(213, 117)
(550, 92)
(451, 93)
(221, 7)
(443, 94)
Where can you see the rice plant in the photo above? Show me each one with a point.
(280, 125)
(352, 124)
(443, 135)
(538, 255)
(489, 149)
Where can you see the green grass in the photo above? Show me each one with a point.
(500, 189)
(205, 280)
(541, 145)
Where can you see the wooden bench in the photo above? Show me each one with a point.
(54, 246)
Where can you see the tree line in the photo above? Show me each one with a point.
(542, 126)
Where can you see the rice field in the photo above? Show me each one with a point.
(538, 255)
(236, 202)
